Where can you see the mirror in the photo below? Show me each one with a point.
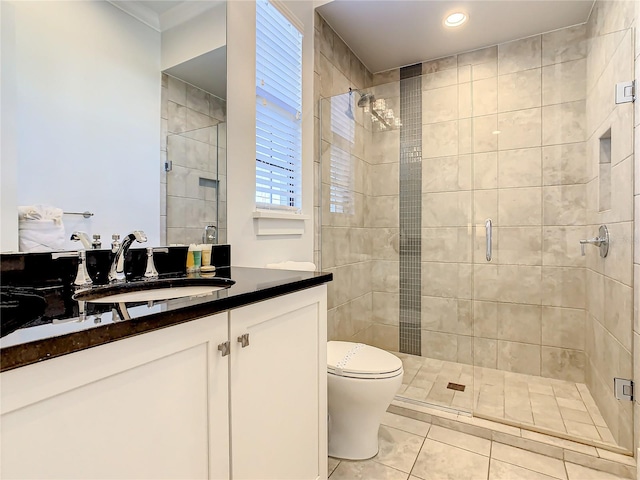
(106, 96)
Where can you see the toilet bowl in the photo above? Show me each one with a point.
(361, 382)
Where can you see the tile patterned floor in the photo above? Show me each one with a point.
(540, 404)
(415, 450)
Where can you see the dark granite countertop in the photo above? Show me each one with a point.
(98, 326)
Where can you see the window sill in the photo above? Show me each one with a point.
(278, 223)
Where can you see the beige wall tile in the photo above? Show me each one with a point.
(485, 170)
(440, 139)
(385, 308)
(520, 129)
(383, 148)
(485, 96)
(385, 276)
(484, 138)
(564, 45)
(441, 346)
(440, 104)
(564, 164)
(446, 209)
(485, 205)
(618, 311)
(477, 57)
(564, 82)
(561, 245)
(519, 55)
(439, 64)
(384, 178)
(382, 211)
(563, 287)
(448, 315)
(520, 168)
(563, 327)
(519, 90)
(485, 319)
(384, 243)
(519, 207)
(442, 78)
(564, 123)
(446, 174)
(563, 364)
(564, 205)
(446, 244)
(451, 280)
(520, 245)
(508, 283)
(519, 357)
(618, 264)
(519, 323)
(485, 352)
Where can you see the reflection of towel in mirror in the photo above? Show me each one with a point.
(40, 228)
(289, 265)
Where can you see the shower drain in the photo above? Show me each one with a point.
(456, 386)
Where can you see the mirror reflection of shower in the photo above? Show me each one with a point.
(381, 114)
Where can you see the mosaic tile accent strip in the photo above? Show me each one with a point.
(410, 208)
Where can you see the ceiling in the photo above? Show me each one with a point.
(387, 34)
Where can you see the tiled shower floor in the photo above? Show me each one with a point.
(558, 407)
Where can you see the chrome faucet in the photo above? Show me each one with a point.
(82, 237)
(210, 234)
(116, 272)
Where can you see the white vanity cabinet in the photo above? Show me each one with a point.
(168, 404)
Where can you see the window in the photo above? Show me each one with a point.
(278, 110)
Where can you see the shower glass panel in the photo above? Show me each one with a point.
(453, 205)
(196, 184)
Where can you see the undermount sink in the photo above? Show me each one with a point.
(153, 290)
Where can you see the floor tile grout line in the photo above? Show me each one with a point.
(535, 453)
(418, 455)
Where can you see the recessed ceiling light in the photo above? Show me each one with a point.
(455, 19)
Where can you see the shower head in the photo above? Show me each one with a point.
(366, 99)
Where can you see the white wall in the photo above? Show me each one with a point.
(202, 34)
(8, 192)
(87, 113)
(249, 249)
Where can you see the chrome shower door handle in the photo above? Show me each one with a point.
(489, 233)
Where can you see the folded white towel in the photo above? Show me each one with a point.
(40, 228)
(289, 265)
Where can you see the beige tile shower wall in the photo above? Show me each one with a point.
(636, 258)
(609, 332)
(527, 313)
(190, 117)
(342, 242)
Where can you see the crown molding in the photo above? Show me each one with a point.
(139, 11)
(186, 11)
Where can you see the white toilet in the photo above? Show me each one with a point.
(362, 381)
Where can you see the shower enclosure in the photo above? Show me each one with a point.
(195, 159)
(453, 205)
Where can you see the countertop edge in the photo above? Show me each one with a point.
(41, 350)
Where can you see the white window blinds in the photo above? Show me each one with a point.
(278, 110)
(341, 192)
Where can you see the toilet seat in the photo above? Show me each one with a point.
(356, 360)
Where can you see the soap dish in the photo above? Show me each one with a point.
(208, 268)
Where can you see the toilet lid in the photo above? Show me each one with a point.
(357, 360)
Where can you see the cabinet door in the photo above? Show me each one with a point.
(278, 388)
(135, 408)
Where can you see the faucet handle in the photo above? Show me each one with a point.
(83, 279)
(151, 271)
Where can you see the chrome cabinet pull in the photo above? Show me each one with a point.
(488, 229)
(224, 348)
(244, 340)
